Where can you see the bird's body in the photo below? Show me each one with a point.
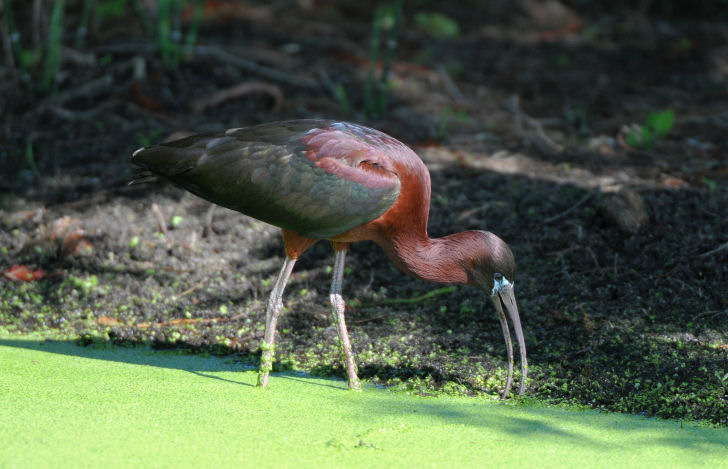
(345, 183)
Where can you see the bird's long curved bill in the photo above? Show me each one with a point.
(504, 298)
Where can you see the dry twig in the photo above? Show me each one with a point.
(450, 86)
(238, 91)
(193, 288)
(539, 137)
(261, 70)
(578, 204)
(214, 53)
(160, 218)
(722, 247)
(208, 221)
(84, 115)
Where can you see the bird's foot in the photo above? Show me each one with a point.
(266, 363)
(262, 380)
(354, 384)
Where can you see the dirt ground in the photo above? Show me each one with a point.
(621, 250)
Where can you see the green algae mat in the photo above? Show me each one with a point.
(64, 405)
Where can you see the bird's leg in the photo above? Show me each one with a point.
(337, 310)
(275, 305)
(208, 221)
(509, 350)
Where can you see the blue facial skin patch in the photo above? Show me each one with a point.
(500, 283)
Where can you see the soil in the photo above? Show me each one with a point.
(522, 118)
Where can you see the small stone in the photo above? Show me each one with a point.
(627, 210)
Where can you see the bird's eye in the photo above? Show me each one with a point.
(500, 283)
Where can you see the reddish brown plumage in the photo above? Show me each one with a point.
(295, 244)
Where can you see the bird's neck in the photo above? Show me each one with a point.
(438, 260)
(402, 231)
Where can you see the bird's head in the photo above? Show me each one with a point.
(489, 255)
(491, 269)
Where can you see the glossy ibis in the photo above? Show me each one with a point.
(342, 182)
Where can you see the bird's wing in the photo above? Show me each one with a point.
(316, 178)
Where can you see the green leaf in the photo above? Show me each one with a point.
(342, 98)
(562, 61)
(437, 25)
(110, 9)
(633, 137)
(709, 183)
(661, 122)
(647, 136)
(30, 158)
(386, 21)
(28, 58)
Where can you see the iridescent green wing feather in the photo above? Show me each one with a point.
(316, 178)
